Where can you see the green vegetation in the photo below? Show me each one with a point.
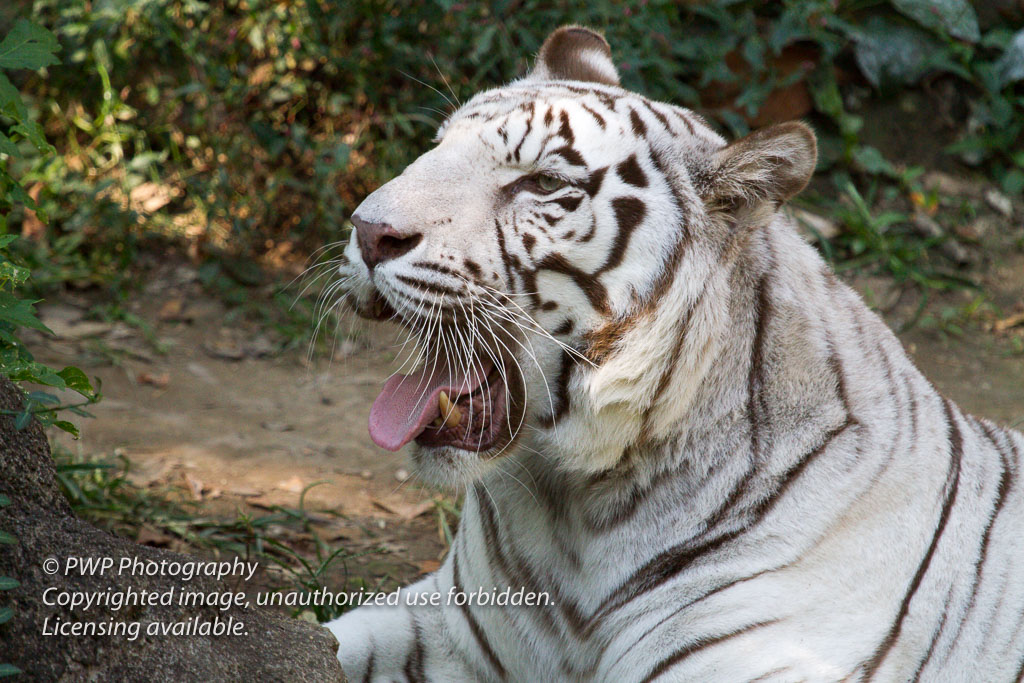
(253, 127)
(27, 46)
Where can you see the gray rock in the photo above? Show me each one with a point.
(1000, 202)
(40, 519)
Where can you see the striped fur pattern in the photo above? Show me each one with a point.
(728, 469)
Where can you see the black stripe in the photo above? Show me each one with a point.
(372, 664)
(568, 203)
(685, 118)
(755, 376)
(414, 663)
(658, 115)
(685, 606)
(701, 644)
(1005, 484)
(429, 265)
(478, 633)
(630, 172)
(505, 260)
(560, 404)
(629, 213)
(955, 439)
(432, 287)
(497, 557)
(564, 129)
(529, 127)
(564, 328)
(673, 561)
(637, 123)
(590, 285)
(592, 112)
(768, 675)
(570, 155)
(671, 266)
(935, 638)
(592, 185)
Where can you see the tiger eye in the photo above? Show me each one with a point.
(549, 183)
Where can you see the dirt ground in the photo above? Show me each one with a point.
(241, 428)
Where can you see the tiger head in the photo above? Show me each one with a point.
(546, 255)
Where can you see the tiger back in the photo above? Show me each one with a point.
(667, 414)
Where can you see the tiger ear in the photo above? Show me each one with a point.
(771, 164)
(575, 53)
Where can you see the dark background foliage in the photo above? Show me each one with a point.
(255, 126)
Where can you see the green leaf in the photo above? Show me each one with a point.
(893, 54)
(1010, 65)
(68, 427)
(20, 312)
(7, 583)
(871, 161)
(955, 17)
(76, 379)
(28, 46)
(8, 147)
(10, 273)
(20, 423)
(7, 539)
(33, 132)
(1013, 181)
(5, 614)
(10, 100)
(4, 500)
(9, 670)
(15, 193)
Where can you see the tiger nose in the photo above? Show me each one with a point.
(380, 242)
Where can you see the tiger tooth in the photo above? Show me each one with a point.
(449, 412)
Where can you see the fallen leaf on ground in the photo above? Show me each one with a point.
(404, 510)
(1006, 323)
(159, 381)
(294, 485)
(195, 486)
(277, 426)
(427, 566)
(173, 309)
(224, 348)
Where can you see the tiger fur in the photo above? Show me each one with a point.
(719, 463)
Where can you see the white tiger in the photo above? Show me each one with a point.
(667, 413)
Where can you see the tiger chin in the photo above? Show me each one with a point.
(667, 413)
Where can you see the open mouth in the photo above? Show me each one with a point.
(441, 407)
(446, 403)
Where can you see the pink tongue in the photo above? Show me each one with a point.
(408, 403)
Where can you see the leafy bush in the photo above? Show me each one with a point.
(27, 46)
(256, 126)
